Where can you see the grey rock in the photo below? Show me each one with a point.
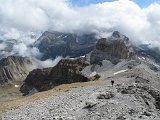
(89, 105)
(106, 95)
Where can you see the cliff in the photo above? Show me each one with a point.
(65, 72)
(113, 49)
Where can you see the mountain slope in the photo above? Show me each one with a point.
(93, 102)
(14, 68)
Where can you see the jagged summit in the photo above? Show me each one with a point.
(118, 46)
(118, 35)
(112, 48)
(53, 44)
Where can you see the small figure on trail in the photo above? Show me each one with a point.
(112, 82)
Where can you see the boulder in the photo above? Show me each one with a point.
(107, 95)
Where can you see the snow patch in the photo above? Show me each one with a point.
(16, 86)
(82, 56)
(121, 71)
(93, 74)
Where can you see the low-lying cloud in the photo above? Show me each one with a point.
(47, 63)
(19, 18)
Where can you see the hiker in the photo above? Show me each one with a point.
(112, 82)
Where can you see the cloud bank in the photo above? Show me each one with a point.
(19, 19)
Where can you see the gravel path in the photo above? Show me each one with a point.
(83, 104)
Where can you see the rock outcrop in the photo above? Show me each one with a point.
(148, 94)
(65, 72)
(113, 49)
(53, 44)
(14, 68)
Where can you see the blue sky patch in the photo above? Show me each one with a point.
(142, 3)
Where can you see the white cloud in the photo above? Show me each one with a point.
(47, 63)
(22, 14)
(12, 34)
(140, 24)
(2, 46)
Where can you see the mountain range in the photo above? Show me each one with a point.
(134, 69)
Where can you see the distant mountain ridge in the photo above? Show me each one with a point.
(52, 44)
(112, 48)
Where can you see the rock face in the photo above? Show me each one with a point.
(147, 51)
(113, 48)
(53, 44)
(14, 68)
(66, 71)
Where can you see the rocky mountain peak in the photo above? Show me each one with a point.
(113, 48)
(118, 35)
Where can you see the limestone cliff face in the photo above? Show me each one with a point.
(14, 68)
(66, 71)
(113, 48)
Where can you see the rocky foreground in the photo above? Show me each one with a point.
(92, 103)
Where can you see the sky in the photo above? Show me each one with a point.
(145, 3)
(142, 3)
(139, 20)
